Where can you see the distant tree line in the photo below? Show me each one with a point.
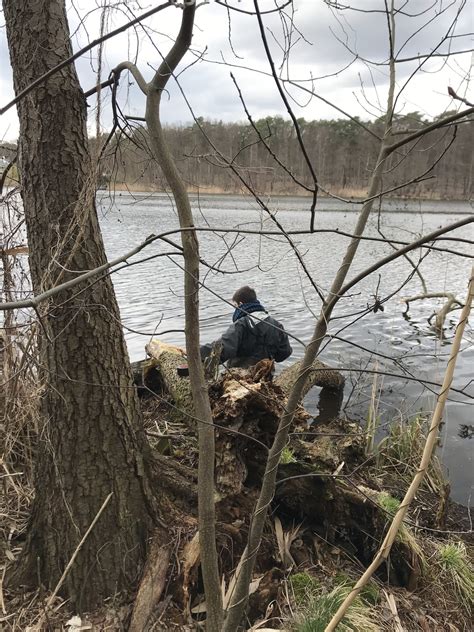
(342, 152)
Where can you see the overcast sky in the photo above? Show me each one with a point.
(323, 44)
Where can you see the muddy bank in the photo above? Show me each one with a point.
(333, 502)
(355, 194)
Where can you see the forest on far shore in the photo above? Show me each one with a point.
(268, 156)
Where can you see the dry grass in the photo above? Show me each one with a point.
(19, 389)
(400, 453)
(456, 573)
(320, 608)
(18, 427)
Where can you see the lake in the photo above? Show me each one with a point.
(151, 296)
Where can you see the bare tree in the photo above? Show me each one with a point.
(153, 91)
(91, 443)
(90, 414)
(375, 190)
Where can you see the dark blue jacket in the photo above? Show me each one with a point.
(249, 340)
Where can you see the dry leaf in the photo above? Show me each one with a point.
(393, 609)
(190, 559)
(284, 540)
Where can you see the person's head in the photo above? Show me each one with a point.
(243, 295)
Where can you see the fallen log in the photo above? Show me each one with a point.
(320, 374)
(317, 492)
(165, 359)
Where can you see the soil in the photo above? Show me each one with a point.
(330, 525)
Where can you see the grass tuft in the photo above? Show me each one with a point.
(405, 533)
(389, 503)
(400, 453)
(360, 617)
(457, 572)
(287, 456)
(369, 593)
(304, 587)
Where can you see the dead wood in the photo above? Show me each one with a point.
(440, 315)
(320, 374)
(179, 481)
(166, 359)
(311, 490)
(152, 583)
(246, 415)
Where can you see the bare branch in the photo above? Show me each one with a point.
(137, 75)
(453, 94)
(81, 52)
(433, 55)
(275, 10)
(6, 171)
(179, 48)
(291, 113)
(429, 128)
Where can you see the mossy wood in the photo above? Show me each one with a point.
(165, 360)
(320, 375)
(246, 406)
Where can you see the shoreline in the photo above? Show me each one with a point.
(349, 194)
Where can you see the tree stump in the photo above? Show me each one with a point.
(315, 487)
(165, 359)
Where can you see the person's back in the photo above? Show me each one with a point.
(253, 335)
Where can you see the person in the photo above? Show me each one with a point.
(253, 335)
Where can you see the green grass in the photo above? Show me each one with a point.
(457, 571)
(405, 533)
(287, 456)
(389, 503)
(303, 587)
(360, 616)
(369, 593)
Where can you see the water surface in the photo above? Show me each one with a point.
(151, 295)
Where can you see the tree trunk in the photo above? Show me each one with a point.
(91, 443)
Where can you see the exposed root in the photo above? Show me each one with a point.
(152, 583)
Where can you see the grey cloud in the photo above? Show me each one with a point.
(366, 35)
(213, 94)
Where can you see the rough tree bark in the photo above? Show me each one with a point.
(90, 444)
(206, 439)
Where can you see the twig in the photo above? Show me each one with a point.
(292, 116)
(73, 558)
(68, 61)
(453, 94)
(420, 474)
(2, 600)
(275, 10)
